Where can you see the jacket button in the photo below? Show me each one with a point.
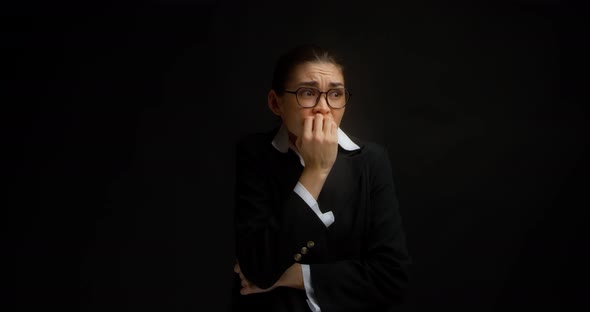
(310, 244)
(297, 257)
(303, 250)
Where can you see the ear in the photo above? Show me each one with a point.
(273, 103)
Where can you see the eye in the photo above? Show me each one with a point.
(307, 92)
(336, 93)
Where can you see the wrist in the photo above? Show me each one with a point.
(319, 174)
(292, 278)
(313, 181)
(296, 280)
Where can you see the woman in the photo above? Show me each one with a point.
(317, 219)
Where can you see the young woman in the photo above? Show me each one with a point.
(317, 219)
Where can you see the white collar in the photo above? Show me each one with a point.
(281, 141)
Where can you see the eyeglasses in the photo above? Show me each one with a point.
(308, 97)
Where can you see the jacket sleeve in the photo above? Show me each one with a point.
(269, 232)
(379, 276)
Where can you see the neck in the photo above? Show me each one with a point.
(293, 139)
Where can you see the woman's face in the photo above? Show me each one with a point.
(323, 76)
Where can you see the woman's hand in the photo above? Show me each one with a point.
(292, 277)
(318, 143)
(247, 287)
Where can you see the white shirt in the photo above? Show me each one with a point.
(282, 144)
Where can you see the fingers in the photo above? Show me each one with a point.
(308, 127)
(318, 124)
(253, 289)
(328, 125)
(247, 287)
(239, 271)
(333, 129)
(330, 128)
(250, 290)
(245, 283)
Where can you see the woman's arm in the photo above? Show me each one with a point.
(292, 277)
(267, 236)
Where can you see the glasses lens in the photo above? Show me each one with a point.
(337, 97)
(307, 96)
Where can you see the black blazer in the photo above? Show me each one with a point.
(359, 263)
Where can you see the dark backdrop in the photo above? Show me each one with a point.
(119, 124)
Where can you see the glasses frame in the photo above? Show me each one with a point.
(317, 100)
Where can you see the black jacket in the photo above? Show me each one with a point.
(359, 263)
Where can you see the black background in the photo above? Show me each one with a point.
(119, 123)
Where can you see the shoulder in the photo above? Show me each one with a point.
(374, 158)
(370, 150)
(375, 162)
(257, 142)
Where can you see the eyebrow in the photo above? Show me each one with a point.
(315, 84)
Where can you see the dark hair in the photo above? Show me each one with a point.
(299, 55)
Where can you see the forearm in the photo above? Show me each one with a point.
(267, 245)
(293, 277)
(313, 180)
(267, 241)
(271, 229)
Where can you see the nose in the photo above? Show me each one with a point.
(322, 106)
